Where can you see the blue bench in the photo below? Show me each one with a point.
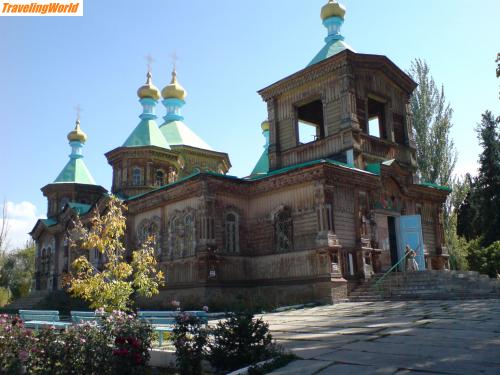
(161, 321)
(79, 317)
(164, 321)
(42, 318)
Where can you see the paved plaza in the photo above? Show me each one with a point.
(389, 337)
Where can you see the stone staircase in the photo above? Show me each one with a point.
(29, 302)
(427, 285)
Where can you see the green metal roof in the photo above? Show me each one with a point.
(49, 222)
(435, 186)
(178, 133)
(75, 171)
(146, 134)
(262, 166)
(80, 208)
(330, 48)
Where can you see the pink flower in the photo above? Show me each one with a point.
(23, 356)
(205, 308)
(175, 303)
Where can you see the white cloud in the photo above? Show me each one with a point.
(21, 217)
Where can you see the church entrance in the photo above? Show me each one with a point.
(393, 240)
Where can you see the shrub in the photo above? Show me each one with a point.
(484, 260)
(131, 339)
(119, 346)
(240, 341)
(189, 337)
(15, 342)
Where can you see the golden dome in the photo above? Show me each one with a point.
(148, 90)
(77, 135)
(174, 89)
(332, 9)
(265, 126)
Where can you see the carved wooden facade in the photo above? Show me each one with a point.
(320, 219)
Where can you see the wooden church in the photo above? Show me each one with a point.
(333, 199)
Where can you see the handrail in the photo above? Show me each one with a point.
(379, 281)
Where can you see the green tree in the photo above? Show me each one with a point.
(457, 246)
(485, 260)
(17, 269)
(436, 153)
(111, 288)
(486, 190)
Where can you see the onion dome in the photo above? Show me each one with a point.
(77, 135)
(265, 126)
(148, 90)
(174, 89)
(332, 9)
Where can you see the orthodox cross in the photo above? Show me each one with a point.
(78, 110)
(150, 61)
(174, 58)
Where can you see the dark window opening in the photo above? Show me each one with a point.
(310, 122)
(376, 118)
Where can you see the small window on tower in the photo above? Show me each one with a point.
(136, 177)
(376, 118)
(159, 178)
(310, 124)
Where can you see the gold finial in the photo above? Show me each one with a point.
(174, 58)
(148, 90)
(332, 9)
(265, 125)
(77, 134)
(174, 90)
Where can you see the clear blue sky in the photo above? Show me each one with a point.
(227, 51)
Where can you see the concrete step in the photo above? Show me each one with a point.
(428, 285)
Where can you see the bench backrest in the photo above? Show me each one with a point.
(158, 314)
(84, 316)
(159, 321)
(40, 315)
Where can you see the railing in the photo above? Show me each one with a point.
(378, 284)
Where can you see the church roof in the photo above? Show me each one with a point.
(178, 133)
(80, 208)
(75, 171)
(262, 166)
(146, 134)
(330, 49)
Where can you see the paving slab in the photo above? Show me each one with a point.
(302, 367)
(392, 337)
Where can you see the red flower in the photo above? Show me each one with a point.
(119, 341)
(137, 358)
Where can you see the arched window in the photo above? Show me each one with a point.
(176, 237)
(231, 233)
(42, 261)
(49, 260)
(64, 202)
(159, 178)
(136, 177)
(150, 228)
(283, 229)
(189, 236)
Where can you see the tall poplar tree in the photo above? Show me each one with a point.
(436, 153)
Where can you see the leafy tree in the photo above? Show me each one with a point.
(486, 191)
(113, 286)
(4, 230)
(484, 259)
(436, 153)
(17, 269)
(457, 246)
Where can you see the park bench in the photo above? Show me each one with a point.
(161, 321)
(79, 317)
(164, 321)
(42, 318)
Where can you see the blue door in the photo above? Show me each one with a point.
(409, 232)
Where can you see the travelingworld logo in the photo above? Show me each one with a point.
(41, 8)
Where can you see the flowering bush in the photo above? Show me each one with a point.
(131, 341)
(189, 337)
(14, 341)
(118, 346)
